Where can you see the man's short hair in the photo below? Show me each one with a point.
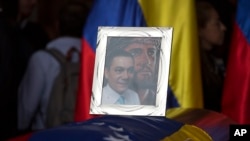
(110, 55)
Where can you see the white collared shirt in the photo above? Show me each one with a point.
(109, 96)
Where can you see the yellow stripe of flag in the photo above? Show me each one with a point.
(189, 133)
(185, 77)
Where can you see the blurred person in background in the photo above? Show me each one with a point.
(36, 85)
(211, 33)
(19, 38)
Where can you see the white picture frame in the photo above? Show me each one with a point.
(162, 37)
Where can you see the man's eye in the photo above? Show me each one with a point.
(151, 52)
(135, 52)
(119, 70)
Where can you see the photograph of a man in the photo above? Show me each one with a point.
(118, 75)
(145, 51)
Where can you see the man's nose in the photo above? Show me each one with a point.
(145, 58)
(125, 75)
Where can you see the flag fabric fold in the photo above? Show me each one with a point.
(123, 128)
(184, 81)
(236, 93)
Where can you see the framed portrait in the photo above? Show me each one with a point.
(131, 71)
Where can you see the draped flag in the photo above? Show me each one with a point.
(123, 128)
(185, 82)
(236, 94)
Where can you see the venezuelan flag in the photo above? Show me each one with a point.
(184, 81)
(236, 98)
(123, 128)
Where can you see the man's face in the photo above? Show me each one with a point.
(145, 61)
(120, 73)
(214, 30)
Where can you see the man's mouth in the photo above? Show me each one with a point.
(146, 75)
(123, 83)
(145, 71)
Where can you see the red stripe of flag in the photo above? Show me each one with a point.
(86, 75)
(236, 94)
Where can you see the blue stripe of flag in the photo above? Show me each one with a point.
(112, 13)
(243, 19)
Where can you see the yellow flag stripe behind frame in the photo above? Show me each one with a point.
(185, 74)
